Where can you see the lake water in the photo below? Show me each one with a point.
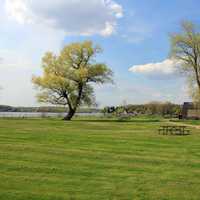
(39, 114)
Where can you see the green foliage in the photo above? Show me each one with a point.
(152, 108)
(67, 77)
(185, 47)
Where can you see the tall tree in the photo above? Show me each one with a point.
(67, 77)
(186, 48)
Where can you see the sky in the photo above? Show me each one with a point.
(133, 34)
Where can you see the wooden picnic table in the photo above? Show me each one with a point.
(173, 130)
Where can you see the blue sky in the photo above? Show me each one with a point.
(134, 35)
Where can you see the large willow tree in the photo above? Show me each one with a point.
(67, 77)
(186, 48)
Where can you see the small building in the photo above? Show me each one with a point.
(190, 111)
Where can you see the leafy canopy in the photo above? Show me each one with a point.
(185, 46)
(66, 77)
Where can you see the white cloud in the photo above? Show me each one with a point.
(109, 29)
(15, 75)
(18, 10)
(77, 17)
(21, 49)
(166, 68)
(42, 28)
(13, 60)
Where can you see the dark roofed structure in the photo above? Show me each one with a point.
(190, 111)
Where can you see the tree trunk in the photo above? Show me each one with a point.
(72, 110)
(70, 114)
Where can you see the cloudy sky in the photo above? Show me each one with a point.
(134, 35)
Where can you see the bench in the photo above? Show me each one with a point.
(173, 130)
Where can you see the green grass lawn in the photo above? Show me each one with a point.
(49, 159)
(191, 122)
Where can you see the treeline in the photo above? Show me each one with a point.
(153, 108)
(51, 109)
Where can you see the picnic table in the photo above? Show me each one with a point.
(173, 130)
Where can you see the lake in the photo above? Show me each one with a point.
(40, 114)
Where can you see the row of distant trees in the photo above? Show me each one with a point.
(165, 109)
(44, 109)
(152, 108)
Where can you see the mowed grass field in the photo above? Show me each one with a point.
(49, 159)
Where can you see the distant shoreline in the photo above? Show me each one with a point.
(42, 114)
(45, 109)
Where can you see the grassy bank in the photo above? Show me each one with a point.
(50, 159)
(190, 122)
